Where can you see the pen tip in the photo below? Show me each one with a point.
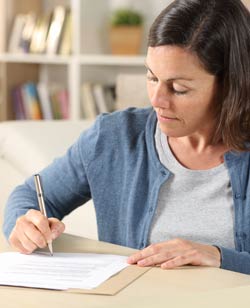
(50, 249)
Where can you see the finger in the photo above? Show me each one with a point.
(41, 223)
(175, 247)
(34, 235)
(135, 258)
(147, 252)
(156, 259)
(16, 244)
(193, 257)
(28, 245)
(153, 260)
(56, 226)
(26, 230)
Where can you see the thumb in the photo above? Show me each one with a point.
(56, 226)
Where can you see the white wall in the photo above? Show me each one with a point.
(155, 5)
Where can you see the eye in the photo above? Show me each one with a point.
(179, 92)
(176, 91)
(152, 79)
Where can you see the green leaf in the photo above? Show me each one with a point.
(126, 17)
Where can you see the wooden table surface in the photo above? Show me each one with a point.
(201, 287)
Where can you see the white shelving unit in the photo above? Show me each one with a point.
(90, 59)
(34, 59)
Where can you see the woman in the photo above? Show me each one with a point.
(171, 181)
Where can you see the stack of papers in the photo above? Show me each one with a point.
(61, 272)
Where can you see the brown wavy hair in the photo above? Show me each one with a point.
(218, 32)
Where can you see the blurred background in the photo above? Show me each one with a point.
(65, 59)
(73, 59)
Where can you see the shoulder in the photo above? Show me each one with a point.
(135, 117)
(126, 123)
(115, 130)
(238, 161)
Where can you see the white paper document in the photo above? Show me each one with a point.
(62, 271)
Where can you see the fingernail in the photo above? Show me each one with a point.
(54, 235)
(141, 262)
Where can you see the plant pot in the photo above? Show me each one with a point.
(125, 40)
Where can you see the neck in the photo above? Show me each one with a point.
(198, 144)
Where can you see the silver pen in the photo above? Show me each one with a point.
(41, 203)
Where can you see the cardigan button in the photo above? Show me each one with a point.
(151, 210)
(163, 172)
(237, 196)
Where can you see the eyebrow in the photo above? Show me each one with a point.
(170, 79)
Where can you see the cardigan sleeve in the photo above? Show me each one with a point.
(234, 260)
(65, 182)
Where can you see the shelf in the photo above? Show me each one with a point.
(82, 59)
(34, 59)
(112, 60)
(87, 63)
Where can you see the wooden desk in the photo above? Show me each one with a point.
(185, 287)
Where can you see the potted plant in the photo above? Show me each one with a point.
(126, 32)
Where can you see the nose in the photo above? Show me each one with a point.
(159, 97)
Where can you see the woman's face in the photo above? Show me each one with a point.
(181, 91)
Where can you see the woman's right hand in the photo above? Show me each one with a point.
(33, 230)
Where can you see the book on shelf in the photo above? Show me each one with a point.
(16, 33)
(18, 105)
(96, 98)
(55, 105)
(99, 97)
(38, 101)
(63, 97)
(40, 33)
(65, 46)
(56, 29)
(110, 96)
(44, 98)
(88, 101)
(59, 102)
(26, 35)
(31, 101)
(49, 33)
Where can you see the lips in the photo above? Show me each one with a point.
(167, 117)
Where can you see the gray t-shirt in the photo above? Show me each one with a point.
(196, 205)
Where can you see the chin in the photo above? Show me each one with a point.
(171, 132)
